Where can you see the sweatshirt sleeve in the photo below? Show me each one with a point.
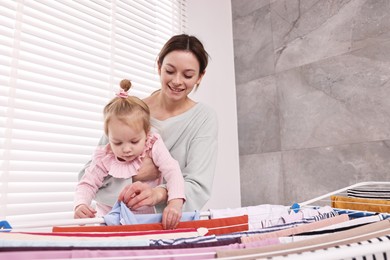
(169, 168)
(201, 160)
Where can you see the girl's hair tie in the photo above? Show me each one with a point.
(122, 94)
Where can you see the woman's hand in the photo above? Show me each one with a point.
(139, 194)
(148, 171)
(84, 211)
(172, 214)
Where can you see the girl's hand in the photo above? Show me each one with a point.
(84, 211)
(140, 194)
(172, 214)
(148, 171)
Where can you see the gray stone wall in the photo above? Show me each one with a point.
(313, 96)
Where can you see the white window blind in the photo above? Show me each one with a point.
(60, 63)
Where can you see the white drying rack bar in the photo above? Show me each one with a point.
(308, 202)
(59, 222)
(73, 222)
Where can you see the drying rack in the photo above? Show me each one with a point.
(203, 214)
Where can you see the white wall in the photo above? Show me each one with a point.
(211, 22)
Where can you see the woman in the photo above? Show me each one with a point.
(189, 129)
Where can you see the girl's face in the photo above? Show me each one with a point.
(126, 142)
(179, 72)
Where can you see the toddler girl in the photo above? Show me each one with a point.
(127, 126)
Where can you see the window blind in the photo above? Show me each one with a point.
(60, 63)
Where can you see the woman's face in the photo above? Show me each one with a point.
(179, 72)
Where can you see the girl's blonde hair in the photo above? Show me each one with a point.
(128, 109)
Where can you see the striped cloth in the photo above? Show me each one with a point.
(370, 193)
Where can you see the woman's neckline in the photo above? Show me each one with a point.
(195, 105)
(161, 111)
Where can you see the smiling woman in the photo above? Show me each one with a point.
(189, 129)
(59, 63)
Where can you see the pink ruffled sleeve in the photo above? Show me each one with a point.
(93, 178)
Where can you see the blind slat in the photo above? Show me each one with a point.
(28, 177)
(38, 208)
(54, 137)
